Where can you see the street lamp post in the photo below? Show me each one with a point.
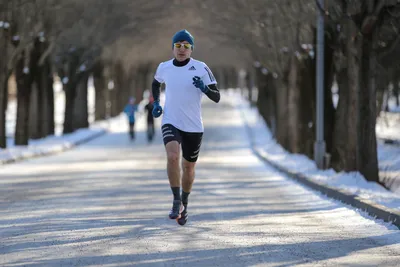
(319, 145)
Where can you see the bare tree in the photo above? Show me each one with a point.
(358, 60)
(5, 37)
(280, 36)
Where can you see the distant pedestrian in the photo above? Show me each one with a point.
(130, 109)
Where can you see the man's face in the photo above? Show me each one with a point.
(182, 50)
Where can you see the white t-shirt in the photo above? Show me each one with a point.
(182, 106)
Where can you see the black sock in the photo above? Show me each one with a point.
(185, 197)
(177, 193)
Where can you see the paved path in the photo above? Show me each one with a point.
(106, 204)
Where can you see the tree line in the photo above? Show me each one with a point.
(44, 39)
(362, 56)
(77, 39)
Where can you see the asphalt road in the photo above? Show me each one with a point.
(106, 203)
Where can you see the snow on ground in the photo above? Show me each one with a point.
(388, 125)
(351, 182)
(388, 128)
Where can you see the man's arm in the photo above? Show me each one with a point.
(155, 88)
(213, 93)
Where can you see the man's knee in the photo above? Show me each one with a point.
(188, 167)
(173, 157)
(172, 149)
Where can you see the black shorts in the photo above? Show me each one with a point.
(190, 142)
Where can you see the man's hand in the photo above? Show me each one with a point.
(197, 82)
(157, 109)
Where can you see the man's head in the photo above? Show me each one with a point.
(132, 100)
(182, 45)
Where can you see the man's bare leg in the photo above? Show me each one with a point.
(187, 175)
(187, 183)
(173, 169)
(187, 180)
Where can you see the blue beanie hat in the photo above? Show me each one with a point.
(183, 35)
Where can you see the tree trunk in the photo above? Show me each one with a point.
(122, 88)
(46, 111)
(71, 71)
(307, 106)
(80, 112)
(70, 93)
(3, 87)
(3, 107)
(50, 100)
(34, 112)
(263, 98)
(113, 93)
(345, 140)
(380, 100)
(100, 88)
(368, 162)
(131, 82)
(282, 113)
(293, 106)
(271, 109)
(301, 105)
(24, 86)
(36, 107)
(272, 105)
(396, 87)
(146, 84)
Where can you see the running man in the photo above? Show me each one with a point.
(186, 80)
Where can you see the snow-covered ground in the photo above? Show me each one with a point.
(389, 156)
(388, 125)
(351, 182)
(388, 129)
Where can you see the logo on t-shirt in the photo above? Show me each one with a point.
(192, 68)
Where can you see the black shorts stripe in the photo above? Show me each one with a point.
(190, 142)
